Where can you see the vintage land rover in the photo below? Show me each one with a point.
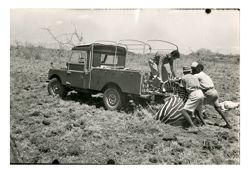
(100, 67)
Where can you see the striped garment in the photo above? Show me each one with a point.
(170, 113)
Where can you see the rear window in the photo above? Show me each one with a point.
(109, 59)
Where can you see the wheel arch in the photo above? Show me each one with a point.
(110, 84)
(55, 76)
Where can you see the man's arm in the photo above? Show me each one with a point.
(160, 67)
(183, 83)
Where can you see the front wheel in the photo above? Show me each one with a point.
(113, 98)
(55, 87)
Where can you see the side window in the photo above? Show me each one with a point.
(96, 59)
(79, 57)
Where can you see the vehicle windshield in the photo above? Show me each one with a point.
(78, 57)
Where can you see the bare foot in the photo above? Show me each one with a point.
(209, 122)
(193, 130)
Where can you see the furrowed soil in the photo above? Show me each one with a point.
(78, 130)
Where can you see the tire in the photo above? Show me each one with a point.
(113, 98)
(55, 87)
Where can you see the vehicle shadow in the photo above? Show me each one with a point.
(85, 99)
(97, 101)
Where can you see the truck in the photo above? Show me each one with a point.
(99, 67)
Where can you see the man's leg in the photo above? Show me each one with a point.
(165, 74)
(187, 117)
(212, 98)
(199, 114)
(191, 104)
(199, 111)
(218, 109)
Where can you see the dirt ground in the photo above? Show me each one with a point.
(78, 130)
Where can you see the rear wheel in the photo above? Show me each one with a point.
(55, 87)
(113, 98)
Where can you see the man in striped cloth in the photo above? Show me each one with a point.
(207, 86)
(156, 64)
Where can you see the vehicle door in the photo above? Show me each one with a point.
(78, 69)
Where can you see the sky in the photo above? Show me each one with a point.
(191, 30)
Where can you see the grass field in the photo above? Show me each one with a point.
(79, 130)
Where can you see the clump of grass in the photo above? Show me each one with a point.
(74, 150)
(37, 139)
(36, 113)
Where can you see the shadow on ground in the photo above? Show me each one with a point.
(85, 99)
(97, 100)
